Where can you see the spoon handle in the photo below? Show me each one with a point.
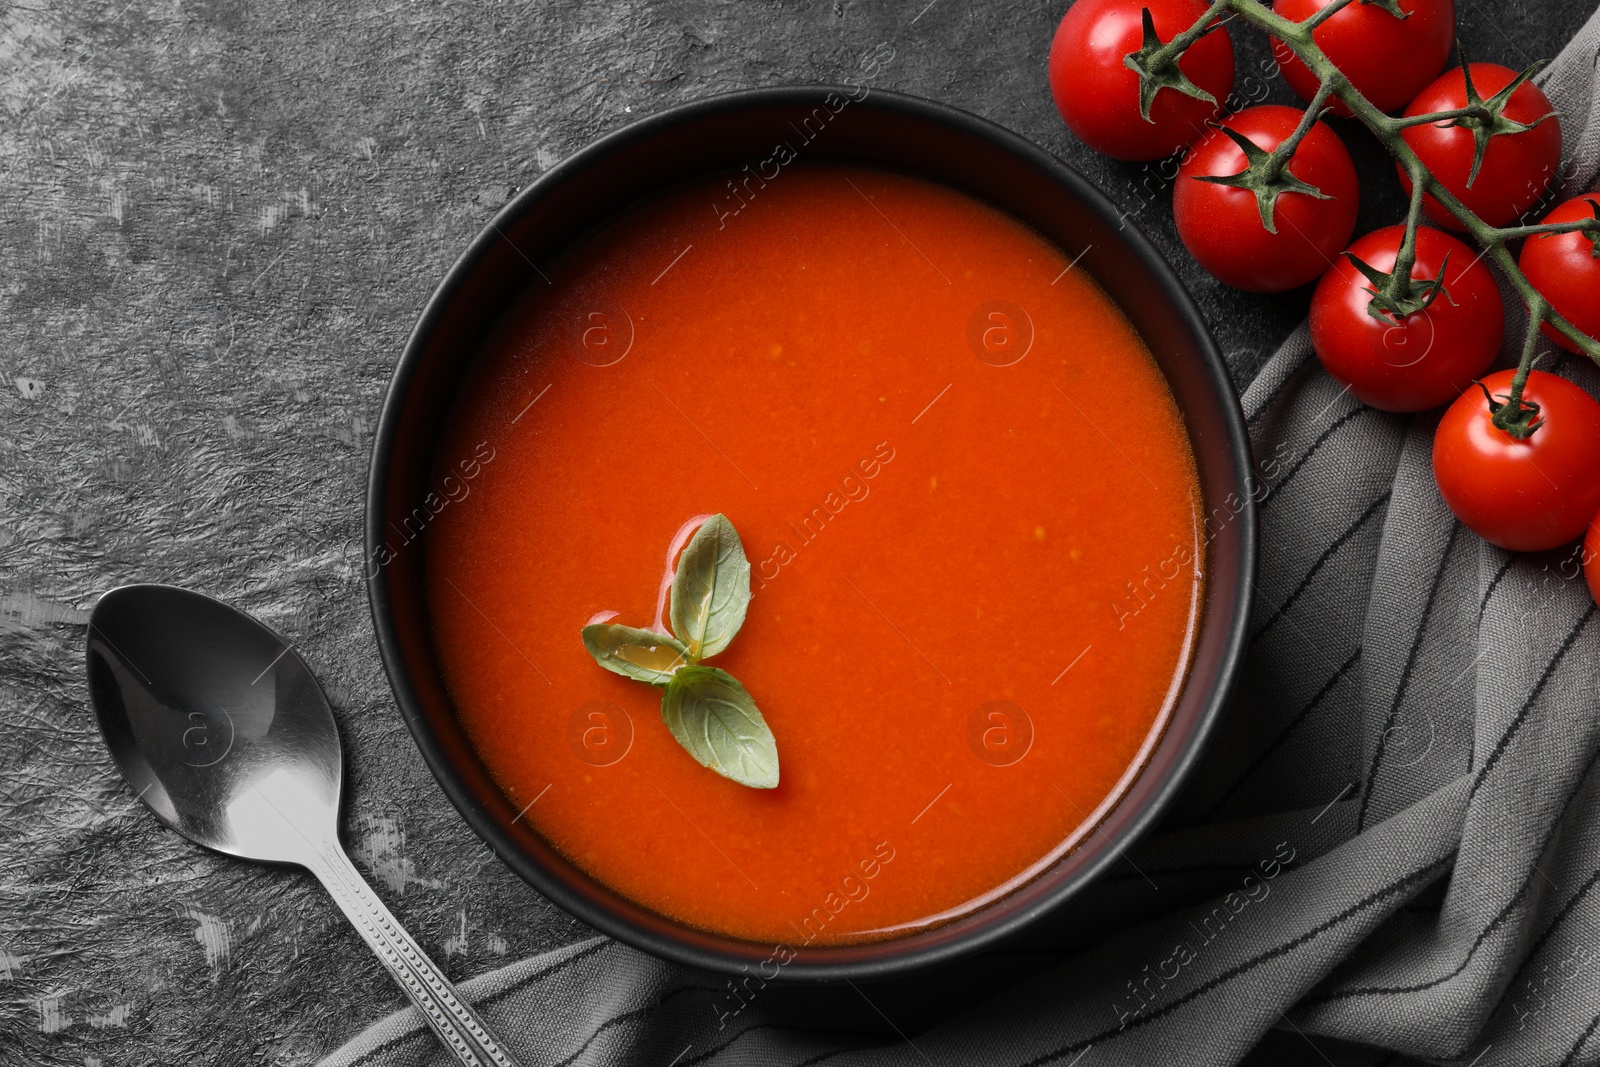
(450, 1017)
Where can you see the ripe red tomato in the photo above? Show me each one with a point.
(1528, 495)
(1221, 225)
(1428, 357)
(1388, 60)
(1098, 95)
(1565, 268)
(1516, 168)
(1591, 558)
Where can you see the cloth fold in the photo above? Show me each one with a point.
(1391, 850)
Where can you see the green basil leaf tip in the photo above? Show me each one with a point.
(712, 716)
(710, 589)
(642, 655)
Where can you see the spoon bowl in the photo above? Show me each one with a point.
(221, 729)
(216, 723)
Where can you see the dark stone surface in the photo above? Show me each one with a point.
(218, 222)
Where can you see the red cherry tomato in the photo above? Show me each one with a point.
(1221, 226)
(1523, 495)
(1098, 94)
(1430, 356)
(1591, 559)
(1388, 60)
(1564, 267)
(1517, 167)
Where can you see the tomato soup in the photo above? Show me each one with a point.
(969, 505)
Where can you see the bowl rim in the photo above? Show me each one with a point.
(817, 968)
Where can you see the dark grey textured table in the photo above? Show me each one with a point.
(217, 223)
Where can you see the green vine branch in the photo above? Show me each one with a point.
(1521, 417)
(1396, 291)
(1167, 54)
(1401, 285)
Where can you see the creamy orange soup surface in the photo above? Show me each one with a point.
(972, 517)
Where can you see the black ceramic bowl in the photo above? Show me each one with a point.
(875, 128)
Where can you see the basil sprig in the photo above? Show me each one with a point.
(706, 709)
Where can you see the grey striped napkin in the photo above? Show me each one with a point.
(1390, 852)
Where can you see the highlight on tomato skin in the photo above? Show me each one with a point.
(1566, 271)
(1425, 359)
(1529, 495)
(1221, 226)
(1388, 60)
(1097, 93)
(1516, 168)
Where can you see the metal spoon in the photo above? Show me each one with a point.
(221, 729)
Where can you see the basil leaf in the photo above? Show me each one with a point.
(711, 589)
(712, 717)
(643, 655)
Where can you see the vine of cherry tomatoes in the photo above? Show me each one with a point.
(1265, 200)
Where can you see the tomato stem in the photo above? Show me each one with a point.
(1319, 17)
(1170, 52)
(1405, 122)
(1400, 274)
(1267, 174)
(1396, 295)
(1156, 63)
(1516, 416)
(1589, 227)
(1314, 111)
(1486, 119)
